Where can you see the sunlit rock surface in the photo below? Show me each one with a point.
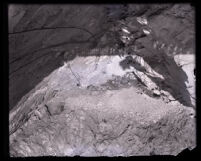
(117, 82)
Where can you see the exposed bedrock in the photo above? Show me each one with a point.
(107, 80)
(95, 123)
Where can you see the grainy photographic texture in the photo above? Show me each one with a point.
(101, 80)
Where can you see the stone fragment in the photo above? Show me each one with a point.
(156, 92)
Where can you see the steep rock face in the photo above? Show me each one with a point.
(34, 54)
(125, 85)
(164, 37)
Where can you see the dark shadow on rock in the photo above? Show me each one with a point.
(129, 61)
(174, 76)
(22, 78)
(29, 78)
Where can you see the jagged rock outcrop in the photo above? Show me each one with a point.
(155, 38)
(118, 82)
